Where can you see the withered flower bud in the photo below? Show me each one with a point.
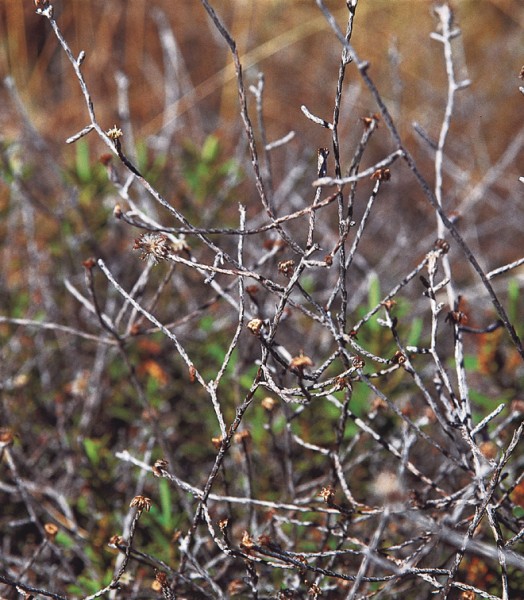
(358, 362)
(381, 175)
(286, 267)
(247, 541)
(300, 362)
(255, 326)
(160, 467)
(442, 245)
(268, 403)
(141, 503)
(327, 494)
(51, 530)
(114, 133)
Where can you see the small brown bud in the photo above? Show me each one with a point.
(286, 267)
(160, 467)
(161, 577)
(372, 120)
(358, 362)
(388, 304)
(116, 540)
(176, 536)
(255, 326)
(342, 383)
(247, 542)
(327, 494)
(236, 587)
(268, 403)
(89, 263)
(6, 437)
(217, 442)
(442, 245)
(242, 437)
(489, 450)
(223, 524)
(51, 530)
(192, 373)
(381, 175)
(399, 358)
(300, 362)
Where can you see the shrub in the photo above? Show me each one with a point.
(309, 385)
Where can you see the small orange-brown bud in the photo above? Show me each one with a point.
(160, 467)
(51, 530)
(381, 175)
(300, 362)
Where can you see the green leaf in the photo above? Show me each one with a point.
(513, 299)
(415, 332)
(210, 149)
(93, 450)
(82, 162)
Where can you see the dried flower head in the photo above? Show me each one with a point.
(116, 540)
(155, 246)
(160, 467)
(286, 267)
(141, 503)
(255, 326)
(223, 524)
(300, 362)
(247, 541)
(327, 494)
(114, 133)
